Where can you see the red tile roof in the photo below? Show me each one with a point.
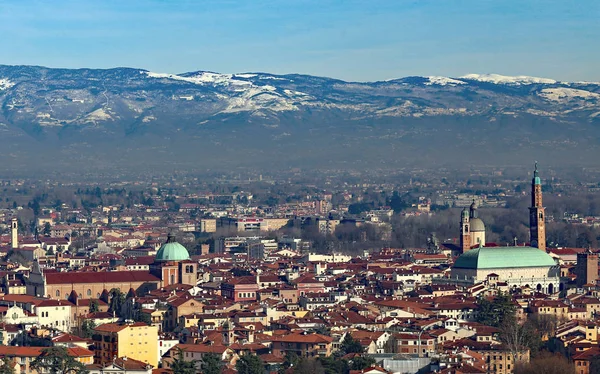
(199, 348)
(300, 338)
(101, 277)
(116, 327)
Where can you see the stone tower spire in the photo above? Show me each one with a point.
(537, 218)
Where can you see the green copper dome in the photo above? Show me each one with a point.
(172, 251)
(503, 257)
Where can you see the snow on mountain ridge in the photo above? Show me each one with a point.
(505, 79)
(204, 77)
(5, 84)
(442, 81)
(561, 93)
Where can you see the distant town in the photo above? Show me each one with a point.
(478, 271)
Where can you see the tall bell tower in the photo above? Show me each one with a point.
(537, 215)
(465, 232)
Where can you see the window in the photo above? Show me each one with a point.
(57, 293)
(89, 292)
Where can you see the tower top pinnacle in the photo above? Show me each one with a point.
(536, 177)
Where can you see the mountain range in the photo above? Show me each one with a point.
(60, 118)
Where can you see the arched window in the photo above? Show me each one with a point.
(57, 293)
(89, 292)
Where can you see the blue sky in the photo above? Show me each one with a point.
(346, 39)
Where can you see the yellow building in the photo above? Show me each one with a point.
(133, 340)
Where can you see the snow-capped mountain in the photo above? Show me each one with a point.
(251, 110)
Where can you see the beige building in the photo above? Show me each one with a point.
(208, 225)
(135, 340)
(254, 223)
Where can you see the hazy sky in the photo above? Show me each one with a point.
(352, 40)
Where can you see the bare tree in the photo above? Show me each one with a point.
(514, 337)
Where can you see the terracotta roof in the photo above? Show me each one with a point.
(300, 338)
(36, 351)
(101, 277)
(67, 338)
(199, 348)
(116, 327)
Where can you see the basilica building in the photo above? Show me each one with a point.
(517, 266)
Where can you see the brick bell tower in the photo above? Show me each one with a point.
(465, 232)
(537, 218)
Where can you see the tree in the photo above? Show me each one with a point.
(514, 336)
(211, 364)
(333, 365)
(87, 328)
(47, 229)
(181, 366)
(94, 306)
(117, 299)
(308, 366)
(6, 367)
(249, 364)
(397, 203)
(350, 345)
(546, 363)
(290, 360)
(56, 360)
(492, 313)
(140, 316)
(595, 365)
(361, 362)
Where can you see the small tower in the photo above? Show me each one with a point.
(537, 216)
(465, 233)
(14, 234)
(587, 268)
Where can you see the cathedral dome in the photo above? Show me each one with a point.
(477, 225)
(503, 257)
(171, 251)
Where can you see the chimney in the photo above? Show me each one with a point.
(14, 234)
